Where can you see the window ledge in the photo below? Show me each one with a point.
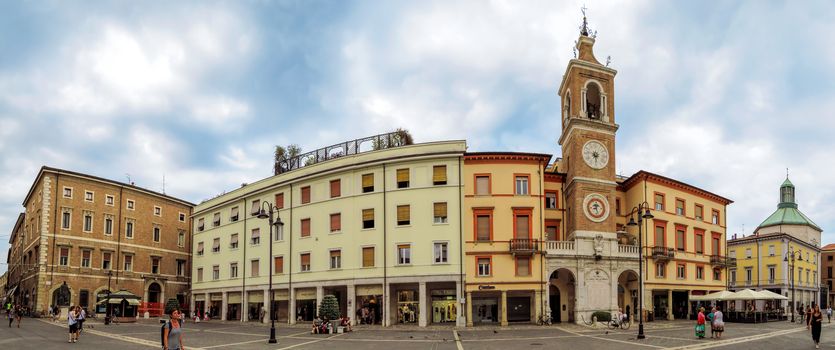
(335, 232)
(440, 223)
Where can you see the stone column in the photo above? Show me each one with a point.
(268, 306)
(191, 305)
(207, 303)
(224, 306)
(670, 304)
(291, 305)
(538, 309)
(244, 305)
(422, 309)
(386, 305)
(320, 293)
(469, 309)
(460, 319)
(352, 303)
(503, 311)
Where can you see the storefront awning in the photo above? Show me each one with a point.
(11, 291)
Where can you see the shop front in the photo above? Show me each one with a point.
(233, 308)
(199, 304)
(280, 306)
(101, 305)
(255, 306)
(519, 309)
(215, 305)
(485, 308)
(444, 306)
(305, 304)
(408, 306)
(369, 304)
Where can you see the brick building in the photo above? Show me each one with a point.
(827, 264)
(93, 235)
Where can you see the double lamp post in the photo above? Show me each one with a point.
(642, 212)
(268, 210)
(790, 259)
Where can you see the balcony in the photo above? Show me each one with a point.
(719, 261)
(730, 262)
(523, 246)
(560, 248)
(663, 253)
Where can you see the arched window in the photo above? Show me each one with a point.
(593, 101)
(566, 108)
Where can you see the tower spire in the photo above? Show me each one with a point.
(584, 30)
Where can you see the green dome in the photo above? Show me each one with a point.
(787, 212)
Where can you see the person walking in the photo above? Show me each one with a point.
(710, 321)
(82, 316)
(10, 315)
(816, 324)
(72, 322)
(829, 314)
(718, 324)
(808, 317)
(700, 323)
(172, 337)
(18, 315)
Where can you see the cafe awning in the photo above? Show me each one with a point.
(719, 296)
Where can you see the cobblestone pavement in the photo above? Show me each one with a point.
(678, 335)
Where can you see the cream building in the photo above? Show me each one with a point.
(380, 230)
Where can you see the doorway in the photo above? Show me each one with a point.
(554, 301)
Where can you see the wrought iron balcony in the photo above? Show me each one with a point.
(523, 246)
(730, 262)
(663, 253)
(371, 143)
(720, 261)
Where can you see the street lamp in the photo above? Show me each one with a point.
(642, 207)
(267, 210)
(789, 258)
(107, 315)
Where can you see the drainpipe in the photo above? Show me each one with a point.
(387, 297)
(247, 214)
(119, 239)
(290, 294)
(541, 256)
(464, 305)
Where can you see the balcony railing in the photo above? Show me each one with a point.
(730, 262)
(663, 253)
(371, 143)
(560, 248)
(718, 260)
(523, 246)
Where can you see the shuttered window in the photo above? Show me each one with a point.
(336, 188)
(367, 183)
(336, 259)
(216, 219)
(680, 237)
(523, 266)
(439, 211)
(233, 242)
(699, 243)
(439, 175)
(483, 227)
(336, 222)
(200, 224)
(660, 240)
(659, 201)
(305, 227)
(279, 200)
(368, 218)
(234, 215)
(256, 236)
(368, 257)
(254, 268)
(200, 248)
(482, 185)
(305, 194)
(551, 233)
(256, 207)
(278, 264)
(680, 207)
(403, 215)
(305, 262)
(522, 226)
(402, 178)
(216, 245)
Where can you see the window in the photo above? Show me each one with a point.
(522, 185)
(157, 211)
(182, 217)
(617, 206)
(482, 185)
(716, 247)
(336, 222)
(772, 272)
(108, 225)
(829, 272)
(367, 218)
(336, 259)
(181, 268)
(523, 266)
(155, 265)
(255, 208)
(233, 270)
(403, 213)
(368, 257)
(799, 275)
(65, 220)
(660, 270)
(85, 258)
(808, 281)
(484, 231)
(717, 274)
(200, 274)
(181, 238)
(216, 245)
(771, 250)
(200, 249)
(88, 196)
(305, 231)
(522, 225)
(680, 207)
(699, 212)
(255, 237)
(67, 192)
(109, 200)
(483, 266)
(255, 268)
(128, 263)
(441, 253)
(550, 200)
(233, 241)
(700, 272)
(680, 239)
(88, 222)
(278, 264)
(439, 213)
(748, 274)
(129, 229)
(367, 183)
(552, 233)
(404, 254)
(279, 200)
(715, 217)
(439, 175)
(402, 178)
(234, 215)
(660, 236)
(156, 234)
(200, 225)
(105, 260)
(305, 194)
(748, 253)
(216, 272)
(732, 254)
(681, 271)
(699, 244)
(659, 201)
(131, 204)
(279, 233)
(336, 188)
(305, 265)
(733, 276)
(216, 220)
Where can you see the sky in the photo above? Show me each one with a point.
(723, 95)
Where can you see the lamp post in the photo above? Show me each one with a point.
(790, 258)
(107, 307)
(267, 210)
(642, 207)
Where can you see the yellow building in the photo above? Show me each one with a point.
(379, 229)
(503, 227)
(764, 259)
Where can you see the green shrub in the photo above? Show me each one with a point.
(602, 316)
(329, 308)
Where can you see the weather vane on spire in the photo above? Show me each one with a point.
(584, 30)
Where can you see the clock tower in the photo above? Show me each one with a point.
(588, 143)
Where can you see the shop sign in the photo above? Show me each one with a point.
(486, 287)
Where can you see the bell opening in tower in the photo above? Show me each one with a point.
(593, 101)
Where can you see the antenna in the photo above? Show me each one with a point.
(787, 173)
(163, 183)
(128, 176)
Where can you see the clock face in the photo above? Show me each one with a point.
(595, 154)
(596, 207)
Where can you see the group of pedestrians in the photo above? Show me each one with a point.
(14, 313)
(75, 320)
(715, 319)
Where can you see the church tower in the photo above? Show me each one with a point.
(588, 141)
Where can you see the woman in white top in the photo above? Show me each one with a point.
(718, 323)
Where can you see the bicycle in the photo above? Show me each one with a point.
(616, 323)
(544, 320)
